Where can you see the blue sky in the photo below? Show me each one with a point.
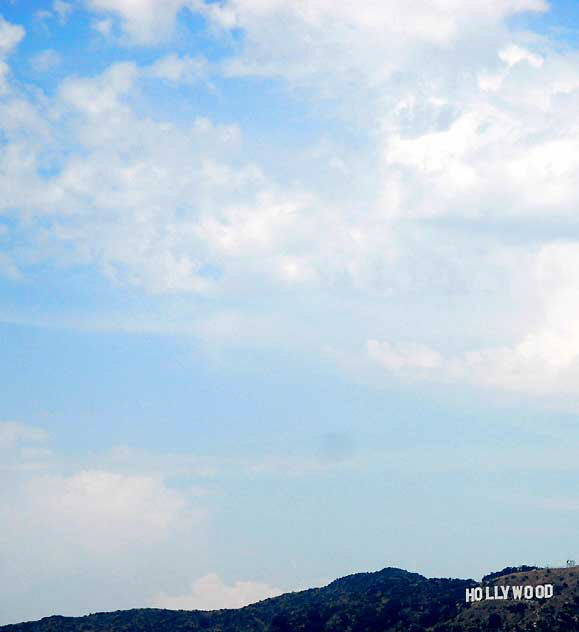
(287, 291)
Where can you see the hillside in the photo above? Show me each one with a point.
(390, 600)
(553, 615)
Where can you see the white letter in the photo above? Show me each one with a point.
(505, 590)
(548, 591)
(478, 594)
(469, 595)
(540, 592)
(528, 592)
(517, 592)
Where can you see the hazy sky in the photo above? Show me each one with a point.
(289, 289)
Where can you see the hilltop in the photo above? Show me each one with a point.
(390, 600)
(561, 613)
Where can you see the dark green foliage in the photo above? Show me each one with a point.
(391, 600)
(495, 621)
(508, 570)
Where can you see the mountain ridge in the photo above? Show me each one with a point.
(389, 600)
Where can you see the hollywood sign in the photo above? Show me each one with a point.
(498, 593)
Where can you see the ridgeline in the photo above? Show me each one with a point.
(390, 600)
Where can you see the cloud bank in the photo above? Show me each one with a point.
(463, 167)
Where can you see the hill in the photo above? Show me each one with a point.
(390, 600)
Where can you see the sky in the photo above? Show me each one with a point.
(288, 290)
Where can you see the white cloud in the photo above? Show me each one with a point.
(103, 94)
(13, 433)
(399, 357)
(10, 36)
(435, 20)
(144, 21)
(62, 9)
(179, 69)
(459, 127)
(345, 42)
(497, 154)
(103, 26)
(543, 361)
(210, 592)
(514, 54)
(176, 207)
(102, 513)
(46, 60)
(113, 530)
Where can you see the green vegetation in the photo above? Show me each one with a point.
(391, 600)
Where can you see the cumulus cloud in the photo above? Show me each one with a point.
(102, 512)
(211, 592)
(93, 527)
(544, 360)
(498, 155)
(198, 212)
